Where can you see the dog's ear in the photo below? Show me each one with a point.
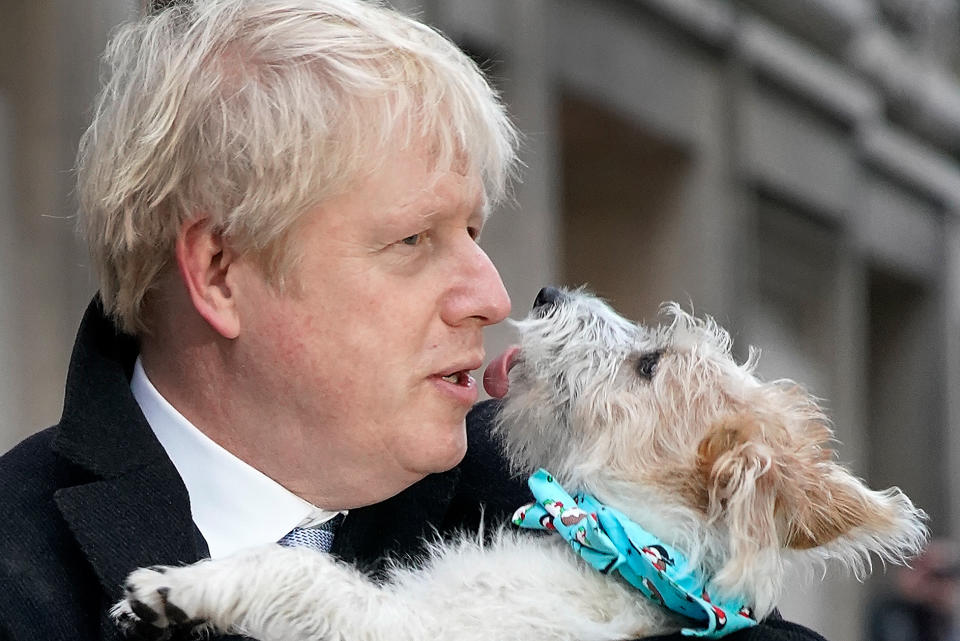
(776, 486)
(736, 461)
(772, 483)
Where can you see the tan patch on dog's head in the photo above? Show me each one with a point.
(771, 482)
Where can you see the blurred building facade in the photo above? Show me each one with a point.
(49, 52)
(787, 166)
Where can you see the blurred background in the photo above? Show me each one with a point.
(787, 166)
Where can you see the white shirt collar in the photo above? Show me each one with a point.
(233, 504)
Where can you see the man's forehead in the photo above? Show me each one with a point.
(429, 193)
(452, 187)
(396, 199)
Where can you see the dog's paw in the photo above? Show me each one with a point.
(148, 611)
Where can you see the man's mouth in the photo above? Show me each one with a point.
(458, 384)
(496, 378)
(459, 373)
(458, 378)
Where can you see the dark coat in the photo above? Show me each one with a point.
(94, 497)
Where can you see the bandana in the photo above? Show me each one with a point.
(609, 541)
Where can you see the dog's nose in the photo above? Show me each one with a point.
(547, 296)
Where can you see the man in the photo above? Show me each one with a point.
(282, 200)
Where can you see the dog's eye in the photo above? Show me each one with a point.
(647, 364)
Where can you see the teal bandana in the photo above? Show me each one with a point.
(608, 540)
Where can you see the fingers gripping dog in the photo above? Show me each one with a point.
(733, 479)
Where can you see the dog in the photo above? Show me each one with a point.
(734, 480)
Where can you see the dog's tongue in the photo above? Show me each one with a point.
(495, 379)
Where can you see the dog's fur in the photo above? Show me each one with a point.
(736, 473)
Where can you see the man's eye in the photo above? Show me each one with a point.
(412, 240)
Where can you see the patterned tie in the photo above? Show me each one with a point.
(319, 538)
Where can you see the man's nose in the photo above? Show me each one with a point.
(482, 295)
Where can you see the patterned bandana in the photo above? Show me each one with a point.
(608, 540)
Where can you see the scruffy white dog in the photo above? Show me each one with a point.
(661, 426)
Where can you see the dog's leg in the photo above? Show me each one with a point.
(272, 594)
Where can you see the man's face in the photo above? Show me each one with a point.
(360, 372)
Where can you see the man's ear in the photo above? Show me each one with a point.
(204, 261)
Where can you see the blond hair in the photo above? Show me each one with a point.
(250, 112)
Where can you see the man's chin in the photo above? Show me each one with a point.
(447, 452)
(455, 460)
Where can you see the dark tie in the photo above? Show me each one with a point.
(318, 538)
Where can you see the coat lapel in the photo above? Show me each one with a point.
(132, 509)
(130, 522)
